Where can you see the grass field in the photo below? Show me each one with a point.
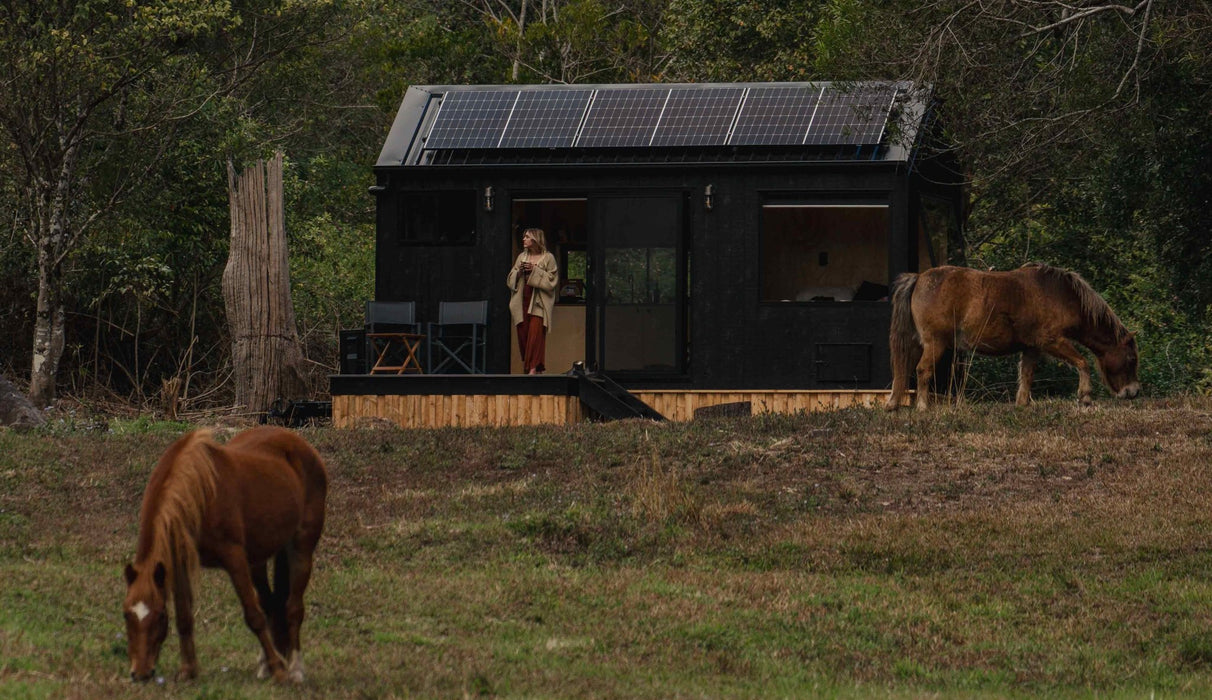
(981, 551)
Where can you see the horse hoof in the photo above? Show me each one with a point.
(295, 668)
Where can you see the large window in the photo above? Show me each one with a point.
(824, 252)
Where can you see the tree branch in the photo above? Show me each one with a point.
(1079, 15)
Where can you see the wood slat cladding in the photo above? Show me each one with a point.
(440, 411)
(461, 410)
(681, 405)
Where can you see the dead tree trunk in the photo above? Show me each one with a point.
(266, 357)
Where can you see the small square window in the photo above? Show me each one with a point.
(446, 217)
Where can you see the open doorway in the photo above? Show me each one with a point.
(563, 220)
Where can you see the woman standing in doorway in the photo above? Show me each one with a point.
(533, 280)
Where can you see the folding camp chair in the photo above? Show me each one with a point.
(392, 332)
(456, 342)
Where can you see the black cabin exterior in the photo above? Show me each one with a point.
(711, 236)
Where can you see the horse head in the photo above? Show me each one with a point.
(146, 618)
(1118, 365)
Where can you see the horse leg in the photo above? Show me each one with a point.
(1064, 351)
(183, 602)
(300, 575)
(238, 570)
(272, 605)
(1026, 375)
(278, 616)
(925, 372)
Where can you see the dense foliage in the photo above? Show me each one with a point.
(1083, 128)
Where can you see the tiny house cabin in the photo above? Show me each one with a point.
(717, 243)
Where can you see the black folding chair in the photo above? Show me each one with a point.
(393, 334)
(456, 342)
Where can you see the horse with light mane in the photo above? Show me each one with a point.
(1036, 309)
(236, 506)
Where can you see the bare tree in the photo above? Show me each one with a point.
(576, 41)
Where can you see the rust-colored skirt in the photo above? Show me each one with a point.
(532, 337)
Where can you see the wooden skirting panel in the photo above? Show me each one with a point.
(441, 411)
(438, 411)
(681, 405)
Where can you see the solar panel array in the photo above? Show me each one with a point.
(764, 115)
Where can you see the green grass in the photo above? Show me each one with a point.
(984, 551)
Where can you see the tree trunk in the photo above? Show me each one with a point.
(51, 243)
(266, 356)
(48, 338)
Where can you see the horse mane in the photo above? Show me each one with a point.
(1095, 309)
(173, 507)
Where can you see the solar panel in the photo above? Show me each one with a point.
(760, 115)
(471, 119)
(775, 116)
(851, 115)
(622, 117)
(545, 119)
(697, 117)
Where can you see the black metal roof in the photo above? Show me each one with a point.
(655, 123)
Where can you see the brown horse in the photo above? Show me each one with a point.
(1034, 309)
(259, 497)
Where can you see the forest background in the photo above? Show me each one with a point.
(1084, 129)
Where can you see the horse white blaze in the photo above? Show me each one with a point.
(140, 610)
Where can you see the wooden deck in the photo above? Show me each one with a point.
(502, 400)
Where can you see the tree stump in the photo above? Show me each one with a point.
(266, 356)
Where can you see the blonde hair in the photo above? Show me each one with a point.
(539, 237)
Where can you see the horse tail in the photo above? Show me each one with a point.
(904, 344)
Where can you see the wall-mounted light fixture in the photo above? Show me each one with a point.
(488, 198)
(709, 197)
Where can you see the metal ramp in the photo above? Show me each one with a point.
(606, 398)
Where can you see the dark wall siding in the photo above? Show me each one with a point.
(736, 341)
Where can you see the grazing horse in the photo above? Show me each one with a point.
(1034, 309)
(259, 497)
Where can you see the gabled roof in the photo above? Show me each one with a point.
(655, 123)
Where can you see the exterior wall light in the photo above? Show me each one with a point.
(709, 197)
(489, 198)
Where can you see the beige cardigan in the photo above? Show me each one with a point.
(544, 278)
